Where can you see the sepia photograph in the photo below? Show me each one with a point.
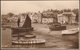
(40, 24)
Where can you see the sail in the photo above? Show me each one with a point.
(27, 22)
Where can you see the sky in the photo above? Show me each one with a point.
(17, 7)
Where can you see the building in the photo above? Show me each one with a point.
(14, 18)
(62, 19)
(46, 20)
(36, 17)
(48, 17)
(66, 17)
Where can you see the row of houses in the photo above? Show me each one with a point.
(48, 17)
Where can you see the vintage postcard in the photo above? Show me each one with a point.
(40, 24)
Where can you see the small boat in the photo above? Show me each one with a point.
(71, 31)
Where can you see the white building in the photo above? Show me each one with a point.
(47, 20)
(48, 17)
(66, 17)
(36, 17)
